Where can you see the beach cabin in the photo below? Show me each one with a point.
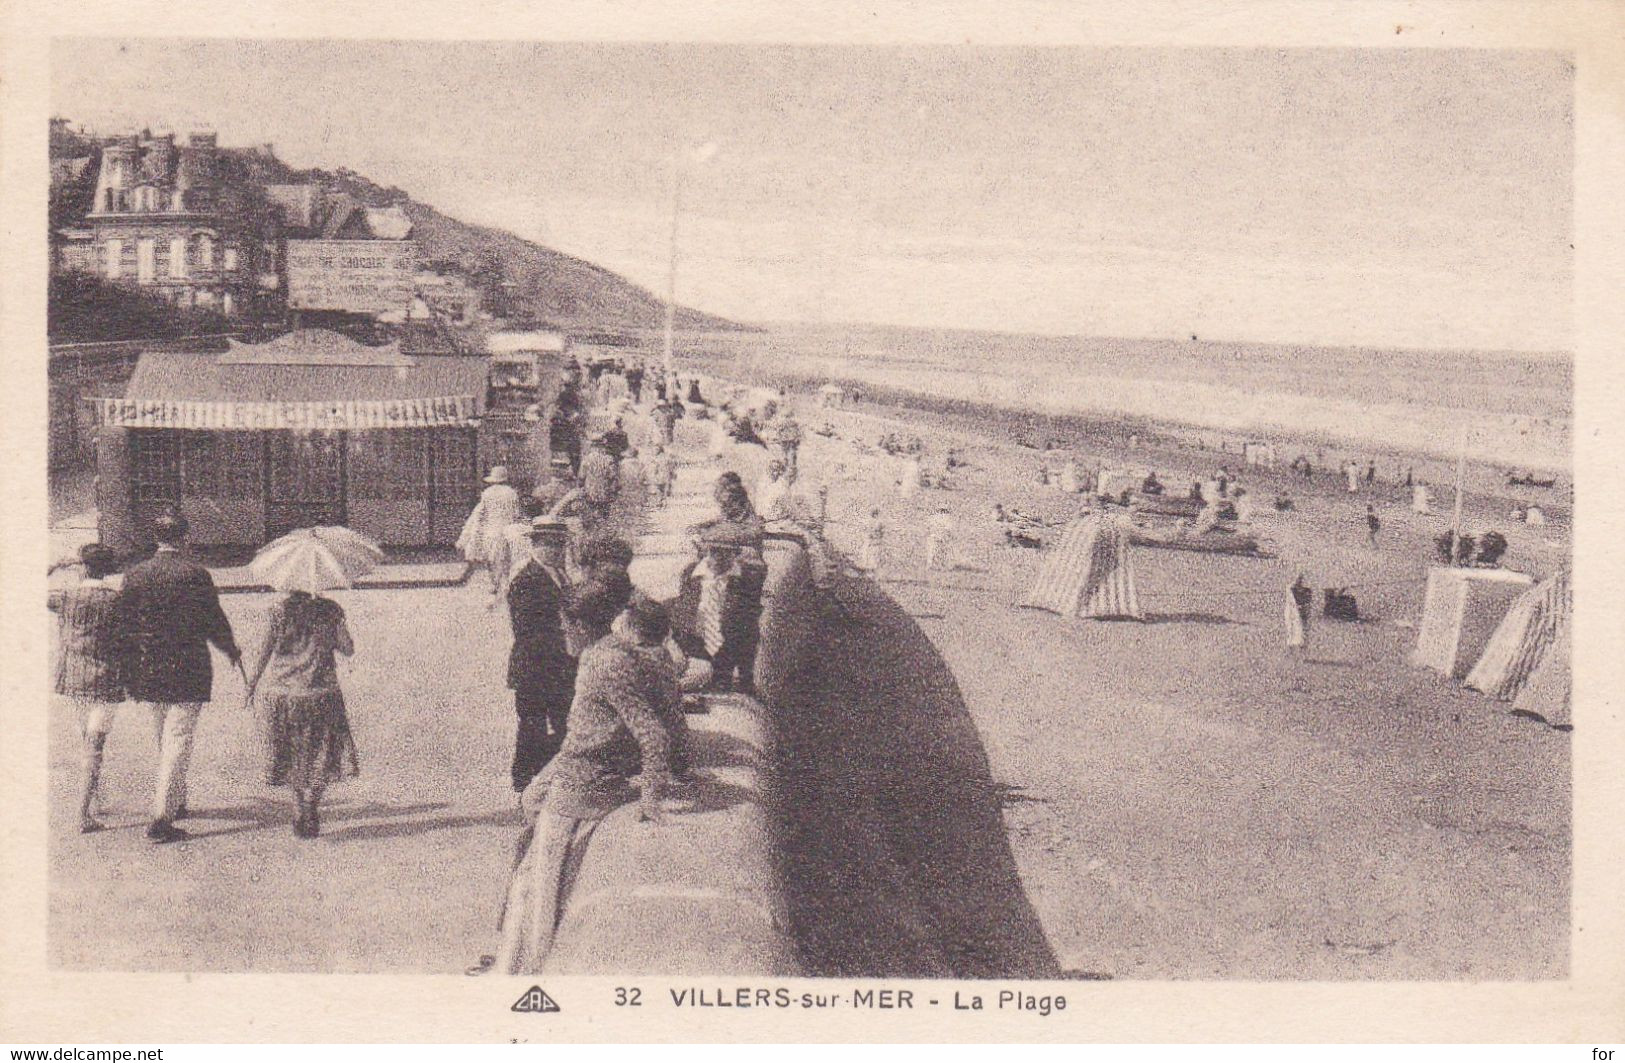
(1460, 611)
(1113, 482)
(1258, 454)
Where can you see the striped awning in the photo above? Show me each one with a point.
(442, 411)
(228, 393)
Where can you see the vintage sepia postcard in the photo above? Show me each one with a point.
(990, 522)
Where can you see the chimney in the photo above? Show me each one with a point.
(118, 169)
(202, 140)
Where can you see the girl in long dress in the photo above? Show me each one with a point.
(1299, 598)
(294, 684)
(874, 542)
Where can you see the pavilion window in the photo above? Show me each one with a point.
(155, 466)
(200, 465)
(389, 464)
(242, 458)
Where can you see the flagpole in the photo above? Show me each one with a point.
(671, 272)
(1461, 474)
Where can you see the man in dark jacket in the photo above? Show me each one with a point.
(169, 612)
(541, 672)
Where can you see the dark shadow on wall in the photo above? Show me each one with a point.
(895, 852)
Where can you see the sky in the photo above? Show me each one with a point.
(1394, 197)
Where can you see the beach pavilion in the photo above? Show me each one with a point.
(307, 429)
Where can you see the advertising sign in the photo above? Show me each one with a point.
(362, 276)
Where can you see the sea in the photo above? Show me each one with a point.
(1511, 409)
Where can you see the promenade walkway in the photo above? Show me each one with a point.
(413, 860)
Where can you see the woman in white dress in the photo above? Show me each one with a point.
(481, 540)
(910, 485)
(719, 439)
(1296, 612)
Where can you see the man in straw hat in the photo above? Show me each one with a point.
(481, 538)
(541, 671)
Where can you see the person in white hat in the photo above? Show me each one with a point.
(481, 539)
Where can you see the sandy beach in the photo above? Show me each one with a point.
(1181, 798)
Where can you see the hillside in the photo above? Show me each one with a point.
(520, 279)
(547, 284)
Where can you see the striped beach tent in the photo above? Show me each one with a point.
(1523, 639)
(1090, 573)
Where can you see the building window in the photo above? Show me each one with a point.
(146, 260)
(229, 259)
(227, 304)
(177, 257)
(114, 250)
(205, 251)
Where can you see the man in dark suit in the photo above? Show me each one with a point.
(718, 612)
(169, 612)
(541, 672)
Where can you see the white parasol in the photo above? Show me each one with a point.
(316, 559)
